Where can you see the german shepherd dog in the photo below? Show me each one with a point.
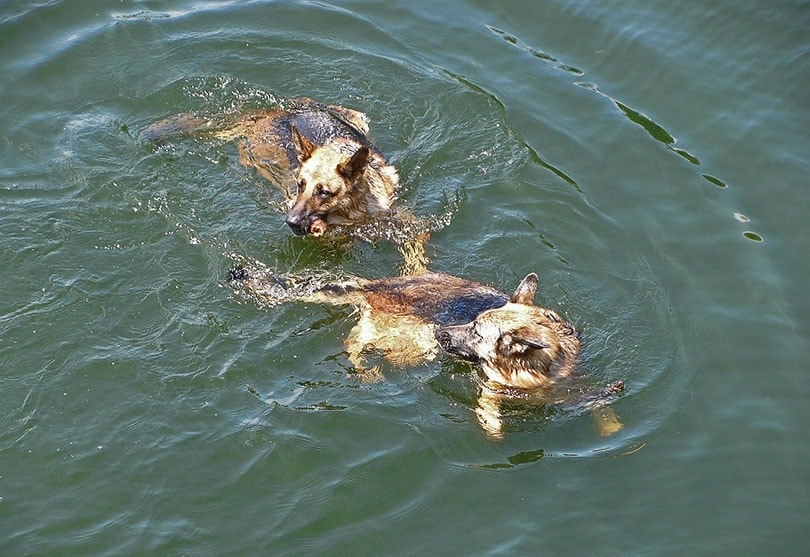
(324, 162)
(320, 156)
(523, 349)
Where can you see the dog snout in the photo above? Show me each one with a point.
(455, 340)
(298, 224)
(444, 338)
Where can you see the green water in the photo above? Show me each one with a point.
(649, 160)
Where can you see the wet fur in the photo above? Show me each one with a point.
(322, 159)
(518, 345)
(320, 156)
(398, 316)
(521, 348)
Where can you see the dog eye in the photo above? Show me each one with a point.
(322, 192)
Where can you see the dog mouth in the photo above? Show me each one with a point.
(314, 225)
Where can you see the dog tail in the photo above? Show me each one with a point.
(270, 288)
(179, 125)
(224, 128)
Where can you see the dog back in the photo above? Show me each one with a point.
(435, 298)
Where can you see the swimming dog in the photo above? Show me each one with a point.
(323, 160)
(319, 155)
(340, 176)
(520, 347)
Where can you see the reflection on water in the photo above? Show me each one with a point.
(716, 181)
(653, 129)
(537, 53)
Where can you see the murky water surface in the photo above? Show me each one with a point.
(647, 160)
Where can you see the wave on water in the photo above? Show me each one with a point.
(653, 129)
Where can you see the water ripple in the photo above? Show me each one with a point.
(655, 130)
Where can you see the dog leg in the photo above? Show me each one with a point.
(357, 119)
(488, 412)
(355, 344)
(414, 255)
(605, 419)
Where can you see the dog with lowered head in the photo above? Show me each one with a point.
(320, 156)
(521, 347)
(518, 345)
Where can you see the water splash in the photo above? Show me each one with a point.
(262, 284)
(226, 95)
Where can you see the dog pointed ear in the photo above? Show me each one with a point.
(303, 146)
(526, 290)
(518, 343)
(533, 342)
(354, 165)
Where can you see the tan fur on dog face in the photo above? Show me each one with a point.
(523, 346)
(328, 186)
(339, 183)
(519, 345)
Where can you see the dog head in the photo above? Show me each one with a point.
(518, 345)
(327, 185)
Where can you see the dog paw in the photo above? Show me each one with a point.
(606, 420)
(238, 274)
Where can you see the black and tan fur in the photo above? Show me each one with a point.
(324, 162)
(519, 346)
(321, 156)
(339, 176)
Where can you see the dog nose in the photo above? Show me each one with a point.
(294, 221)
(443, 337)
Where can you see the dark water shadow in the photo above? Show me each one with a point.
(654, 129)
(535, 156)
